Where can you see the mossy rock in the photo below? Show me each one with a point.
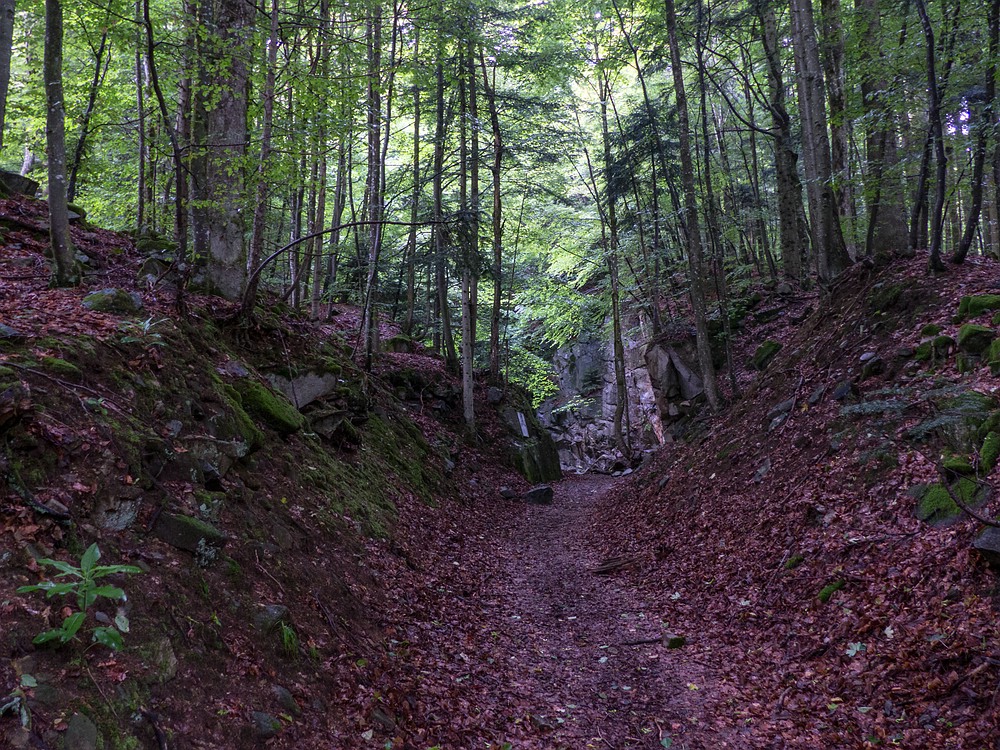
(113, 301)
(5, 373)
(975, 339)
(992, 357)
(765, 353)
(185, 532)
(78, 210)
(995, 320)
(271, 408)
(957, 465)
(977, 304)
(239, 425)
(936, 507)
(966, 363)
(989, 452)
(60, 367)
(151, 244)
(399, 344)
(931, 329)
(936, 349)
(794, 561)
(885, 297)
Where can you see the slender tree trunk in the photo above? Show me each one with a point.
(66, 273)
(886, 214)
(489, 88)
(937, 137)
(828, 240)
(983, 126)
(411, 239)
(440, 246)
(140, 105)
(102, 59)
(793, 232)
(695, 261)
(6, 45)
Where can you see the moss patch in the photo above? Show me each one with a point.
(885, 297)
(765, 353)
(958, 465)
(272, 409)
(977, 304)
(794, 561)
(931, 329)
(989, 453)
(829, 590)
(60, 367)
(936, 507)
(975, 339)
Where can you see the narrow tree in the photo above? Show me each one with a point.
(55, 140)
(6, 43)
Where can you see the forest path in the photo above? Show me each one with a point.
(581, 646)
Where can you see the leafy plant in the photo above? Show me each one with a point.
(289, 639)
(83, 585)
(143, 333)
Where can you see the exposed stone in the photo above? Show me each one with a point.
(161, 662)
(781, 409)
(185, 532)
(507, 493)
(265, 726)
(304, 389)
(540, 495)
(286, 700)
(762, 471)
(10, 334)
(988, 546)
(118, 511)
(270, 616)
(113, 301)
(873, 366)
(12, 182)
(81, 734)
(843, 390)
(494, 395)
(765, 353)
(817, 395)
(675, 641)
(975, 339)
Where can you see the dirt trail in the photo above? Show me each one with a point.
(574, 639)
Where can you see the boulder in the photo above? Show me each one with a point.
(113, 301)
(270, 616)
(977, 304)
(304, 389)
(765, 353)
(265, 726)
(81, 734)
(12, 182)
(540, 495)
(975, 339)
(988, 546)
(185, 532)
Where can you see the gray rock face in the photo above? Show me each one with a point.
(81, 734)
(185, 532)
(305, 389)
(265, 726)
(540, 495)
(988, 546)
(270, 616)
(113, 301)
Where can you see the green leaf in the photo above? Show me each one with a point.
(667, 742)
(73, 623)
(106, 570)
(58, 589)
(90, 558)
(28, 681)
(109, 637)
(110, 592)
(56, 634)
(65, 568)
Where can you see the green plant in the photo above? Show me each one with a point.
(142, 333)
(289, 639)
(85, 587)
(16, 704)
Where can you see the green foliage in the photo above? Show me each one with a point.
(289, 639)
(84, 587)
(534, 374)
(989, 453)
(142, 333)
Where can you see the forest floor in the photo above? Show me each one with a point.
(559, 654)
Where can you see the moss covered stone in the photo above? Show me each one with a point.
(185, 532)
(113, 301)
(992, 357)
(990, 452)
(959, 465)
(794, 561)
(935, 349)
(274, 410)
(885, 297)
(765, 353)
(60, 367)
(931, 329)
(936, 506)
(975, 339)
(977, 304)
(239, 425)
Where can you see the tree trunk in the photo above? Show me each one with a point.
(6, 44)
(695, 260)
(793, 232)
(102, 59)
(66, 273)
(227, 26)
(937, 137)
(497, 220)
(983, 125)
(886, 213)
(828, 239)
(411, 238)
